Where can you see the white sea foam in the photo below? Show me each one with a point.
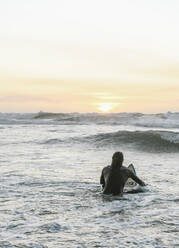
(50, 195)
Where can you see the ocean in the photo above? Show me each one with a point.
(50, 196)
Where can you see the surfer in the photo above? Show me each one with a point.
(114, 177)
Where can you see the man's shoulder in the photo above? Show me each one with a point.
(125, 169)
(106, 168)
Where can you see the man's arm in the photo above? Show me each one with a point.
(102, 181)
(136, 179)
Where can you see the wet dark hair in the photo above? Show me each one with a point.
(117, 159)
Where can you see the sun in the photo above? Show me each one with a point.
(105, 107)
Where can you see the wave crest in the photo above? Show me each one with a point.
(52, 141)
(150, 141)
(162, 120)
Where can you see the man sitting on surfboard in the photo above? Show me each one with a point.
(114, 177)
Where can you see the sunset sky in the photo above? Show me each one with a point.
(89, 55)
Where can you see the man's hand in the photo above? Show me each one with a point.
(143, 184)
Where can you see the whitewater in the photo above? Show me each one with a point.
(50, 196)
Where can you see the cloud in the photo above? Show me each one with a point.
(24, 99)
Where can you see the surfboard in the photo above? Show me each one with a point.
(130, 182)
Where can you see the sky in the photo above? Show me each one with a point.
(89, 56)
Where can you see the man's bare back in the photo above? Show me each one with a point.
(114, 177)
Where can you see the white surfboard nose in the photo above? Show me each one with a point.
(130, 182)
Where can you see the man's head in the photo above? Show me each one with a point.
(117, 158)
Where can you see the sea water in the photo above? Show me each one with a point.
(50, 194)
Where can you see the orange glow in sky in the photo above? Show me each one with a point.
(89, 56)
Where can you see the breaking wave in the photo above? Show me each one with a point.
(162, 120)
(150, 141)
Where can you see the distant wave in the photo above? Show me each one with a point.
(46, 115)
(162, 120)
(52, 141)
(150, 141)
